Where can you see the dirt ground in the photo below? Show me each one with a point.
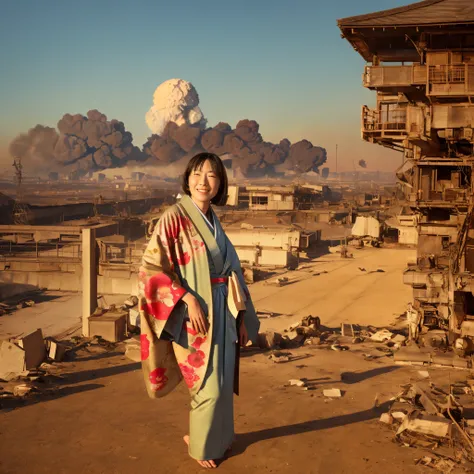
(101, 421)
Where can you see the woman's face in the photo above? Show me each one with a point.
(203, 185)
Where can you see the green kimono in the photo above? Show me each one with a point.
(185, 252)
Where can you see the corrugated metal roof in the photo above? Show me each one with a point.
(428, 12)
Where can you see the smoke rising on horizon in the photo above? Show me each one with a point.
(89, 143)
(82, 143)
(250, 155)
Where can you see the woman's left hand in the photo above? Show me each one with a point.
(243, 335)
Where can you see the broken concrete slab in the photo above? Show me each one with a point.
(269, 339)
(57, 351)
(450, 360)
(22, 390)
(280, 357)
(382, 335)
(426, 400)
(332, 393)
(386, 418)
(12, 359)
(399, 339)
(412, 354)
(431, 425)
(34, 347)
(297, 382)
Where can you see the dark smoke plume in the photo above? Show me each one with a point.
(84, 143)
(362, 163)
(250, 154)
(90, 143)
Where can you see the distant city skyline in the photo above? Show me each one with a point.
(280, 63)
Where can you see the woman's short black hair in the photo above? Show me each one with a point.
(197, 162)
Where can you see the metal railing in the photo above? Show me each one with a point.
(447, 74)
(40, 251)
(393, 76)
(375, 121)
(121, 252)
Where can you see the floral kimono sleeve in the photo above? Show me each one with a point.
(160, 291)
(160, 287)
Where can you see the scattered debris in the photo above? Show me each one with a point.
(131, 302)
(332, 393)
(382, 335)
(279, 357)
(269, 339)
(347, 330)
(12, 359)
(386, 418)
(338, 347)
(443, 465)
(22, 390)
(111, 326)
(265, 314)
(56, 350)
(427, 425)
(133, 349)
(297, 382)
(430, 417)
(282, 281)
(35, 350)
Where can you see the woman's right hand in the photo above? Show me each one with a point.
(196, 314)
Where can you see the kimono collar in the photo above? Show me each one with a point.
(213, 227)
(197, 218)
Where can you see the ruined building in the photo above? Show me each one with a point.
(420, 63)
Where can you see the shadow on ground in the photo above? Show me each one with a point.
(244, 440)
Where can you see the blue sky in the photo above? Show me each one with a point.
(281, 62)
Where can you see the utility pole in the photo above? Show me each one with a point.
(20, 209)
(336, 158)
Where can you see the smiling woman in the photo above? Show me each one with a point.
(190, 260)
(205, 180)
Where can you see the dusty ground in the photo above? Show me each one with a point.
(101, 421)
(343, 294)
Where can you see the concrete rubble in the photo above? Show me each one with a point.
(424, 415)
(36, 367)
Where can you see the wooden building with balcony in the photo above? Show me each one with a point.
(420, 64)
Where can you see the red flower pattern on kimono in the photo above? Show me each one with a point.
(198, 245)
(189, 376)
(196, 359)
(178, 224)
(162, 294)
(198, 342)
(158, 379)
(190, 329)
(183, 258)
(144, 346)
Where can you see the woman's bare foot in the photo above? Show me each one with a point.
(206, 464)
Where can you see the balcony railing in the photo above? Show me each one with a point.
(439, 80)
(394, 76)
(451, 80)
(388, 124)
(448, 197)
